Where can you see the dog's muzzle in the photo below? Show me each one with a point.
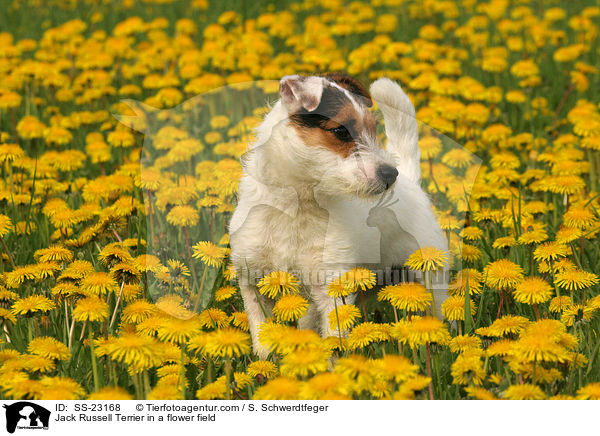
(387, 175)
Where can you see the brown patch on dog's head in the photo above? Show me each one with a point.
(336, 123)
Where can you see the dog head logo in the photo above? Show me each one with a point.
(26, 415)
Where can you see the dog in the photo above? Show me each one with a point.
(320, 193)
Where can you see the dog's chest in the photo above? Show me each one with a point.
(292, 241)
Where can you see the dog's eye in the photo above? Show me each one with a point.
(342, 134)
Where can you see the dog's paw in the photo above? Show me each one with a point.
(389, 95)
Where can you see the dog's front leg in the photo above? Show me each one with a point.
(255, 310)
(311, 319)
(326, 305)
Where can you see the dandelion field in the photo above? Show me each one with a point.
(122, 125)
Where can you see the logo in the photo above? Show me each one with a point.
(26, 415)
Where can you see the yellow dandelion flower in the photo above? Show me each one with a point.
(533, 290)
(338, 288)
(225, 293)
(290, 308)
(576, 279)
(280, 388)
(578, 217)
(278, 283)
(577, 313)
(466, 277)
(213, 318)
(49, 347)
(110, 393)
(284, 339)
(326, 386)
(230, 273)
(227, 342)
(184, 216)
(309, 360)
(524, 392)
(35, 363)
(427, 259)
(503, 274)
(59, 388)
(426, 330)
(178, 330)
(591, 391)
(461, 343)
(54, 253)
(398, 368)
(453, 308)
(508, 324)
(138, 351)
(263, 368)
(359, 278)
(412, 297)
(126, 273)
(99, 284)
(540, 342)
(31, 305)
(177, 269)
(213, 391)
(558, 304)
(137, 311)
(240, 320)
(172, 305)
(6, 225)
(479, 393)
(468, 369)
(343, 317)
(550, 251)
(211, 254)
(90, 309)
(363, 335)
(564, 235)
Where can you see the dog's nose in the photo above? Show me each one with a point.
(387, 174)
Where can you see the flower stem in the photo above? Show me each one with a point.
(338, 323)
(201, 288)
(429, 371)
(553, 280)
(428, 286)
(500, 305)
(182, 371)
(228, 378)
(94, 362)
(114, 315)
(10, 259)
(189, 253)
(146, 379)
(66, 320)
(362, 303)
(136, 383)
(396, 319)
(150, 216)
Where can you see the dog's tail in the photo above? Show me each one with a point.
(400, 126)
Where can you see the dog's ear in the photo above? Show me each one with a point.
(301, 92)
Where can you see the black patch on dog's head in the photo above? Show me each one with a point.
(336, 123)
(353, 85)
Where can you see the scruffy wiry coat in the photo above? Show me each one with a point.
(320, 195)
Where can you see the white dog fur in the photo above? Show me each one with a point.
(303, 208)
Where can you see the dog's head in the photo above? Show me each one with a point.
(327, 136)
